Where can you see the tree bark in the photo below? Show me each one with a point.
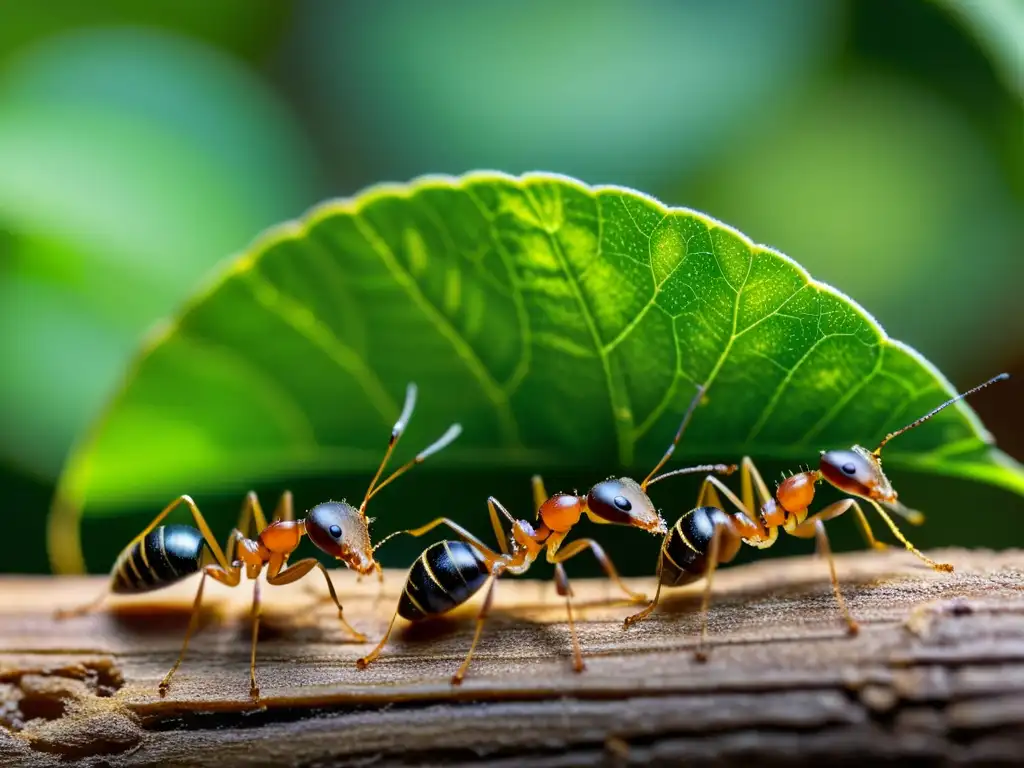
(935, 676)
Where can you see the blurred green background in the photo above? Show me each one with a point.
(880, 143)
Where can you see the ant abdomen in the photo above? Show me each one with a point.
(164, 556)
(684, 554)
(446, 575)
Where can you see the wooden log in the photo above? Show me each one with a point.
(936, 675)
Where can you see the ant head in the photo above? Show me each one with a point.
(341, 530)
(857, 472)
(624, 502)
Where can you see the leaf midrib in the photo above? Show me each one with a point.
(492, 390)
(622, 417)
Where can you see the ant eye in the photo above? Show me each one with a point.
(850, 469)
(622, 503)
(335, 531)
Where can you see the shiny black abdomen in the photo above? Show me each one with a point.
(447, 574)
(167, 554)
(684, 553)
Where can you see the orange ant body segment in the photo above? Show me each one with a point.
(165, 554)
(448, 573)
(707, 536)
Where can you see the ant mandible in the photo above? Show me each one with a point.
(707, 536)
(165, 554)
(448, 573)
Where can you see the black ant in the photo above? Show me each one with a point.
(165, 554)
(707, 536)
(448, 573)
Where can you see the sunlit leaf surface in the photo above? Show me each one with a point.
(562, 325)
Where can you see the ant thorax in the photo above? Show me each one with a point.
(561, 512)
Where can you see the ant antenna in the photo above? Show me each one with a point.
(396, 432)
(720, 469)
(672, 446)
(501, 508)
(897, 433)
(389, 536)
(442, 442)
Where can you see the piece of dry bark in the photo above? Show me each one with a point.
(936, 675)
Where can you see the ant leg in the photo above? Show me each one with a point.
(565, 590)
(865, 528)
(201, 524)
(254, 689)
(540, 494)
(578, 546)
(806, 529)
(630, 620)
(701, 653)
(371, 657)
(492, 508)
(251, 511)
(480, 619)
(945, 567)
(297, 570)
(824, 549)
(751, 482)
(814, 527)
(468, 537)
(489, 554)
(709, 493)
(192, 623)
(229, 577)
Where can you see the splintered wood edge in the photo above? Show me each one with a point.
(776, 633)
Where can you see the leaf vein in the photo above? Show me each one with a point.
(621, 409)
(769, 409)
(522, 368)
(732, 336)
(304, 323)
(492, 390)
(290, 411)
(826, 420)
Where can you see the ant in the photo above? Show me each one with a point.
(165, 554)
(707, 536)
(449, 573)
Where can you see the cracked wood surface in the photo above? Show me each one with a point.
(935, 676)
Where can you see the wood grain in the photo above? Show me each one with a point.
(936, 675)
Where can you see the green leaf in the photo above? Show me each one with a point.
(564, 326)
